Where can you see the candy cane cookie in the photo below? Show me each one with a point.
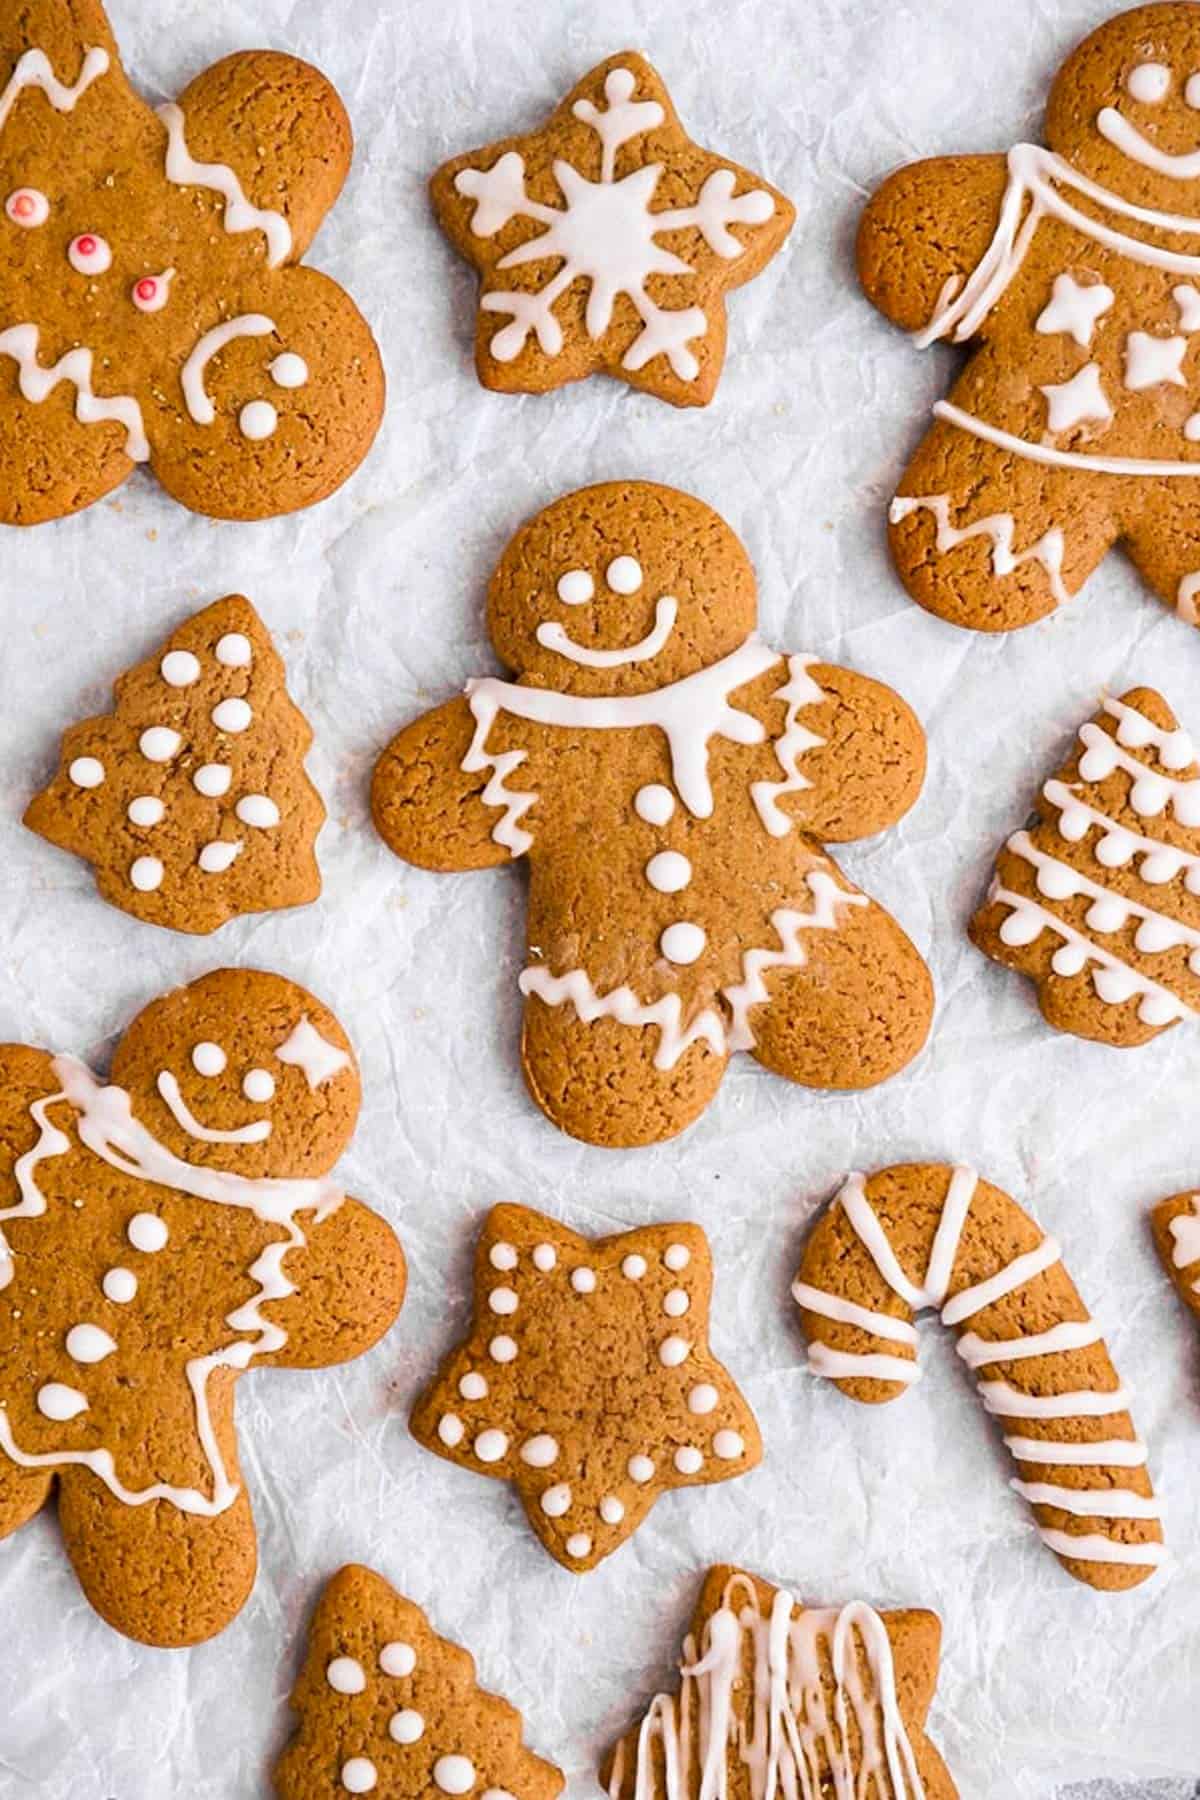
(925, 1235)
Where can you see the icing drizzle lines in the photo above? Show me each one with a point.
(33, 70)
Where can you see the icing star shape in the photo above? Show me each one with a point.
(1075, 309)
(606, 241)
(1150, 361)
(1078, 401)
(587, 1380)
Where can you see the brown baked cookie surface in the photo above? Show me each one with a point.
(158, 1235)
(927, 1236)
(827, 1700)
(606, 241)
(1098, 900)
(587, 1379)
(1072, 272)
(1176, 1226)
(152, 306)
(389, 1708)
(190, 799)
(673, 782)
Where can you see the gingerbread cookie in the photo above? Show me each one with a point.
(389, 1708)
(672, 780)
(190, 799)
(587, 1380)
(152, 306)
(607, 241)
(1074, 273)
(779, 1698)
(1176, 1226)
(165, 1230)
(925, 1236)
(1098, 901)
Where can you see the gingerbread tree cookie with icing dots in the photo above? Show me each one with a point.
(587, 1380)
(190, 799)
(151, 306)
(162, 1232)
(387, 1707)
(1072, 273)
(672, 781)
(1099, 899)
(606, 241)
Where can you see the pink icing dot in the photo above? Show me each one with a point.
(146, 290)
(151, 293)
(27, 207)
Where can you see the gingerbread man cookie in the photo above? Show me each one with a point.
(587, 1380)
(606, 241)
(387, 1707)
(1176, 1226)
(776, 1697)
(672, 780)
(152, 306)
(190, 799)
(164, 1231)
(1073, 272)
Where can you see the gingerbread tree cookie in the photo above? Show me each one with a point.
(1176, 1226)
(587, 1380)
(152, 309)
(1099, 899)
(1073, 274)
(776, 1697)
(389, 1708)
(606, 241)
(924, 1236)
(190, 799)
(672, 780)
(162, 1232)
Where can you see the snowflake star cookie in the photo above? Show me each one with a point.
(606, 241)
(161, 1233)
(190, 799)
(1073, 274)
(587, 1380)
(672, 780)
(778, 1698)
(389, 1708)
(1099, 899)
(152, 309)
(923, 1236)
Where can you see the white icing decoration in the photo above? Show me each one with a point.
(1150, 361)
(583, 1281)
(655, 804)
(1080, 400)
(1094, 1548)
(676, 1257)
(540, 1452)
(553, 636)
(556, 1501)
(451, 1430)
(151, 292)
(676, 1303)
(145, 810)
(1149, 83)
(798, 691)
(258, 810)
(28, 208)
(359, 1775)
(1125, 137)
(703, 1398)
(579, 1545)
(398, 1659)
(1074, 309)
(624, 575)
(258, 1085)
(233, 715)
(688, 1460)
(1191, 93)
(728, 1445)
(1001, 528)
(168, 1088)
(683, 943)
(454, 1774)
(545, 1257)
(239, 214)
(212, 780)
(86, 772)
(1088, 1503)
(219, 855)
(669, 872)
(89, 1344)
(192, 375)
(159, 743)
(345, 1675)
(233, 650)
(36, 383)
(55, 1400)
(148, 1233)
(502, 1349)
(1185, 1230)
(305, 1049)
(179, 668)
(257, 420)
(1115, 1453)
(120, 1286)
(490, 1446)
(503, 1257)
(611, 1509)
(673, 1351)
(503, 1301)
(89, 254)
(288, 370)
(33, 70)
(406, 1726)
(146, 874)
(634, 1267)
(575, 588)
(640, 1469)
(1185, 599)
(472, 1386)
(1187, 299)
(1053, 458)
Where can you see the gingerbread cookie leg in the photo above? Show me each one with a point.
(23, 1492)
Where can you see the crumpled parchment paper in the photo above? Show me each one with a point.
(376, 602)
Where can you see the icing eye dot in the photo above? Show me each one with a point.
(257, 420)
(89, 254)
(27, 207)
(145, 809)
(258, 1085)
(288, 370)
(1149, 83)
(86, 772)
(208, 1058)
(233, 650)
(231, 715)
(1191, 92)
(575, 588)
(179, 668)
(624, 575)
(152, 292)
(212, 780)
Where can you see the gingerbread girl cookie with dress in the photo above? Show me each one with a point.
(1073, 272)
(672, 781)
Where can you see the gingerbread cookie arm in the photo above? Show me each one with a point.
(428, 795)
(927, 1236)
(350, 1281)
(1176, 1226)
(924, 231)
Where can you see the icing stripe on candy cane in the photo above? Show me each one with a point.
(1062, 1438)
(36, 383)
(33, 70)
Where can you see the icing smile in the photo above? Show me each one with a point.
(1116, 128)
(553, 636)
(168, 1087)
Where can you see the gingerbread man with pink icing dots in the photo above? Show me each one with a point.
(160, 1233)
(1071, 272)
(151, 306)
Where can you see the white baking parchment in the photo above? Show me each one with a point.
(376, 602)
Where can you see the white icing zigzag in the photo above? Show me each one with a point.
(35, 382)
(33, 70)
(240, 214)
(798, 691)
(1000, 528)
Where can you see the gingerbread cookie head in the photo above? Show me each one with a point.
(620, 589)
(152, 308)
(243, 1071)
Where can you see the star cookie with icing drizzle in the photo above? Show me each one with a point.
(606, 241)
(587, 1380)
(388, 1707)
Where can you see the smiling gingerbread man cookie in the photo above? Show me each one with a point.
(151, 309)
(160, 1233)
(672, 780)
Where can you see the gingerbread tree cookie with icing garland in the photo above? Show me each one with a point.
(587, 1380)
(1098, 901)
(387, 1707)
(190, 799)
(164, 1231)
(776, 1697)
(606, 241)
(672, 780)
(153, 306)
(1073, 274)
(923, 1236)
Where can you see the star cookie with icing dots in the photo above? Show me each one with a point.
(587, 1380)
(387, 1707)
(606, 241)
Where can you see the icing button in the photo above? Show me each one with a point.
(682, 943)
(654, 803)
(454, 1774)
